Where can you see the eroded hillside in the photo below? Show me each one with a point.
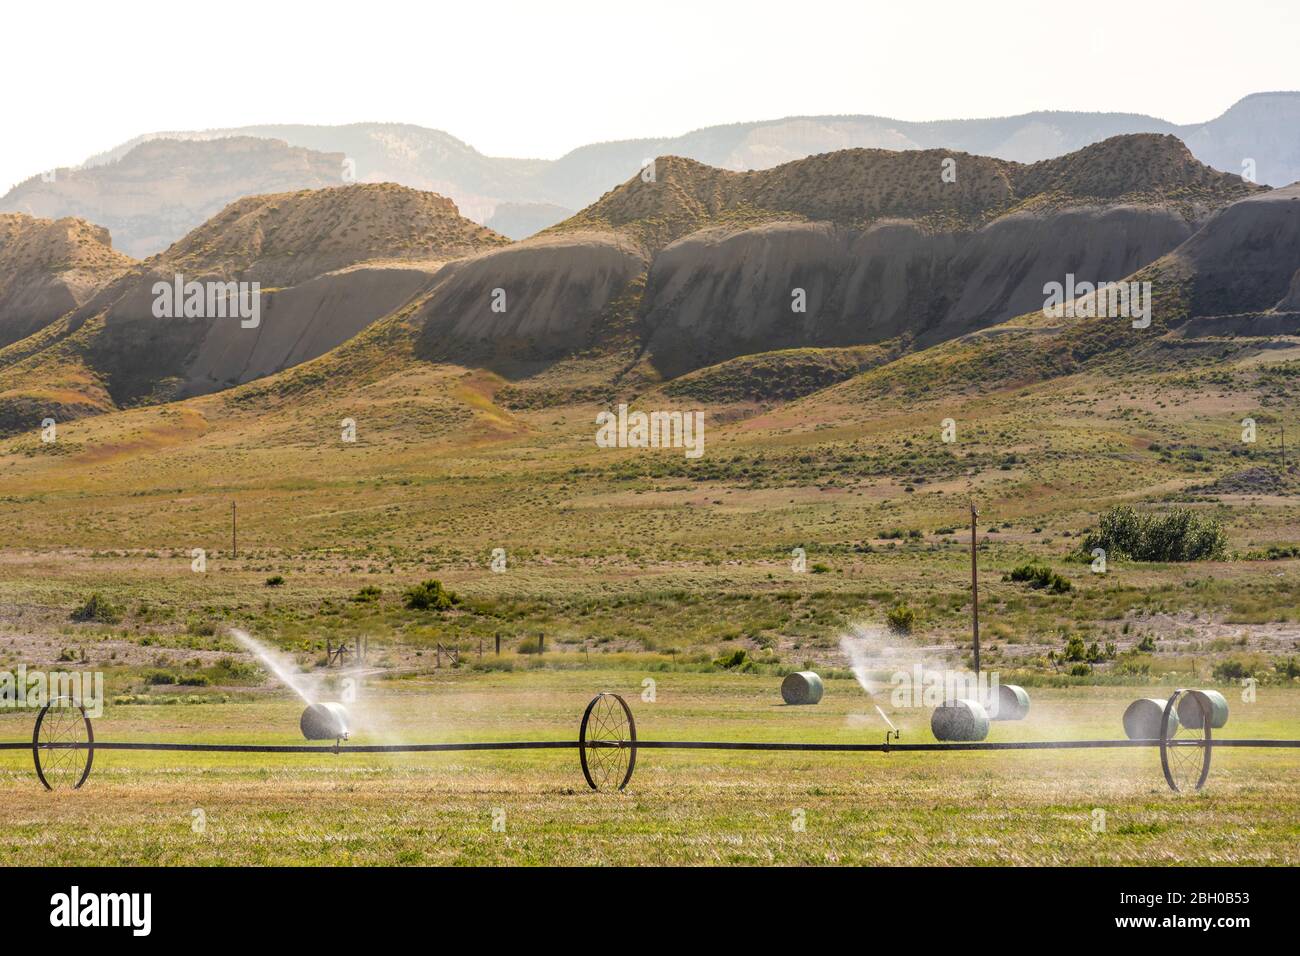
(50, 267)
(329, 263)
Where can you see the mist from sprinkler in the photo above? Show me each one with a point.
(277, 664)
(864, 645)
(322, 719)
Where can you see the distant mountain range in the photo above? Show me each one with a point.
(153, 189)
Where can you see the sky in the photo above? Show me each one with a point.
(538, 79)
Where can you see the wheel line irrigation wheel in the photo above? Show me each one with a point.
(63, 744)
(1185, 753)
(607, 743)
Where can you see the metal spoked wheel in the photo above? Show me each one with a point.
(63, 744)
(607, 743)
(1185, 753)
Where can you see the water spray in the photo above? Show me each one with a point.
(892, 729)
(322, 720)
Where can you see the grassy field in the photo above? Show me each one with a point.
(681, 807)
(626, 565)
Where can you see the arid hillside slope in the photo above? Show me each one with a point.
(50, 267)
(844, 249)
(328, 262)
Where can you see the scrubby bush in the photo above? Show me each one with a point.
(1137, 666)
(230, 670)
(1040, 577)
(1275, 552)
(275, 580)
(1232, 669)
(430, 595)
(171, 699)
(1180, 535)
(98, 608)
(367, 595)
(1097, 654)
(901, 619)
(729, 661)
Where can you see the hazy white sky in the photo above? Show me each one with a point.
(539, 78)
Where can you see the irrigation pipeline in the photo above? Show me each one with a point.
(639, 745)
(1185, 761)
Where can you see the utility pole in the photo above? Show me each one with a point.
(234, 540)
(974, 586)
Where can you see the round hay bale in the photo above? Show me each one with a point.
(960, 720)
(324, 721)
(1189, 712)
(1142, 719)
(1010, 703)
(801, 687)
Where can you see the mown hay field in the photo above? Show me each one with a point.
(686, 807)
